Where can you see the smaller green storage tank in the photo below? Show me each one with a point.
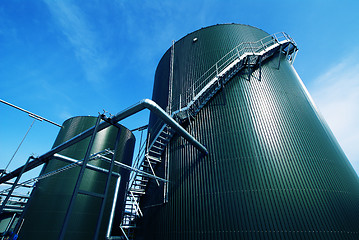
(50, 199)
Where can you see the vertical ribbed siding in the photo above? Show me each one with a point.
(49, 200)
(213, 43)
(274, 170)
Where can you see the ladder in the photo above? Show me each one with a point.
(77, 190)
(18, 203)
(246, 55)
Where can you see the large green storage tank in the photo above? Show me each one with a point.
(50, 199)
(274, 169)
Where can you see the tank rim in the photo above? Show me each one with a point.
(219, 24)
(210, 26)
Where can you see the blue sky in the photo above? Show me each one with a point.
(61, 59)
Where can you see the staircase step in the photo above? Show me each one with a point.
(152, 158)
(145, 165)
(140, 185)
(159, 148)
(137, 188)
(163, 138)
(140, 181)
(166, 134)
(136, 192)
(154, 152)
(160, 143)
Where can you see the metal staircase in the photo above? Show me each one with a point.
(138, 181)
(246, 55)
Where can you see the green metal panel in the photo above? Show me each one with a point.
(274, 169)
(50, 198)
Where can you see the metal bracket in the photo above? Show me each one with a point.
(260, 68)
(135, 205)
(280, 54)
(153, 172)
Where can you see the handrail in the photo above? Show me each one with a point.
(239, 52)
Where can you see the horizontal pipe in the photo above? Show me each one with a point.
(33, 115)
(12, 210)
(144, 104)
(122, 165)
(98, 169)
(31, 165)
(80, 163)
(14, 195)
(14, 207)
(45, 157)
(17, 202)
(20, 184)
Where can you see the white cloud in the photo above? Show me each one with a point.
(336, 93)
(85, 42)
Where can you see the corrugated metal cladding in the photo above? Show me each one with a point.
(50, 198)
(274, 170)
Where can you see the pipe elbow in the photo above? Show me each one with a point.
(154, 107)
(149, 103)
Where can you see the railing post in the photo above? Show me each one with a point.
(238, 53)
(275, 37)
(293, 58)
(263, 45)
(180, 99)
(280, 54)
(250, 45)
(287, 36)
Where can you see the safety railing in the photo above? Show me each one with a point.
(240, 51)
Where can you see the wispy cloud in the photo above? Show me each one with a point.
(336, 93)
(164, 21)
(85, 42)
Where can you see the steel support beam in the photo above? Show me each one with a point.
(14, 185)
(112, 214)
(144, 104)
